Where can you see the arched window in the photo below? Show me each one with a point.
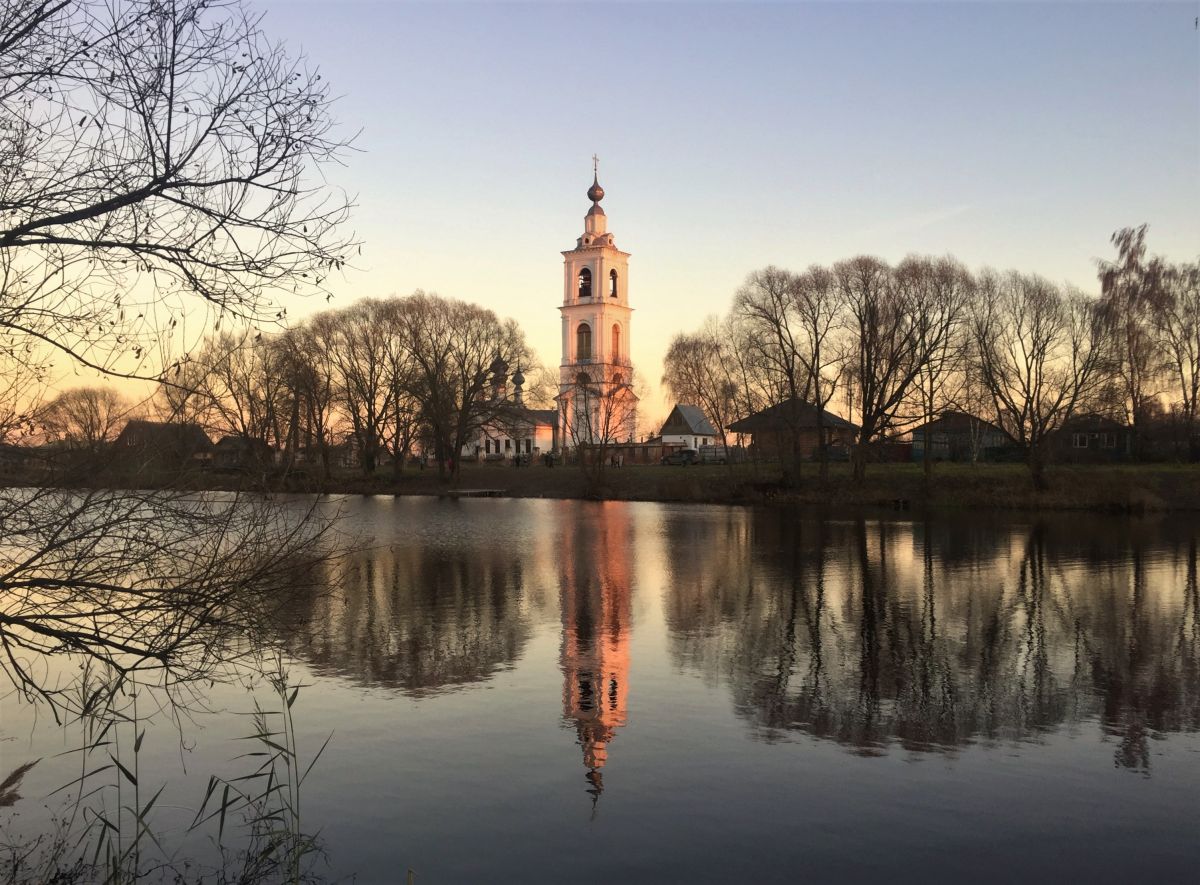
(618, 379)
(583, 379)
(612, 284)
(583, 342)
(585, 283)
(616, 342)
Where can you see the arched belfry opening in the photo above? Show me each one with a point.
(583, 342)
(616, 342)
(585, 283)
(612, 284)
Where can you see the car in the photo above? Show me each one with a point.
(681, 457)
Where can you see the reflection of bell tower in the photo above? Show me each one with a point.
(596, 369)
(596, 607)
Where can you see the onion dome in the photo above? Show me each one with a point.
(519, 378)
(499, 367)
(595, 192)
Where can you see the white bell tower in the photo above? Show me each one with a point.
(595, 397)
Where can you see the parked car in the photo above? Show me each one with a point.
(681, 457)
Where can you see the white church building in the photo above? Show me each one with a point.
(595, 402)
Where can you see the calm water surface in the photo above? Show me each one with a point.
(537, 691)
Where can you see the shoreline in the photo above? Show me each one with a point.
(1142, 488)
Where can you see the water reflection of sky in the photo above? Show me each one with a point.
(542, 690)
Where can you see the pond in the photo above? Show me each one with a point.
(553, 691)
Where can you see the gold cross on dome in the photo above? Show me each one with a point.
(595, 165)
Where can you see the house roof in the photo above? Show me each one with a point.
(689, 419)
(1092, 422)
(162, 434)
(956, 422)
(791, 414)
(542, 416)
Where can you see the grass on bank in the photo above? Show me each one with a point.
(1131, 488)
(1110, 487)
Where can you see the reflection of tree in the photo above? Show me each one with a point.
(595, 593)
(417, 619)
(874, 634)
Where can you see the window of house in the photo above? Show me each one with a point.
(612, 284)
(508, 445)
(1079, 440)
(1108, 440)
(583, 342)
(585, 283)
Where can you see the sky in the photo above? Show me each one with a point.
(733, 136)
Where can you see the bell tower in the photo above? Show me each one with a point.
(596, 400)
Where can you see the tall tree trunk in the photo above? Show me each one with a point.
(1037, 467)
(859, 462)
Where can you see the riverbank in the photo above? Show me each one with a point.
(1124, 488)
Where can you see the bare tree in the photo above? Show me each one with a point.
(766, 305)
(1177, 323)
(156, 159)
(360, 356)
(156, 152)
(698, 369)
(818, 314)
(21, 392)
(85, 418)
(746, 366)
(1039, 353)
(885, 348)
(456, 351)
(939, 293)
(137, 583)
(1131, 293)
(403, 422)
(314, 377)
(597, 414)
(242, 380)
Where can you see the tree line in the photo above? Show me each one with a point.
(896, 346)
(382, 374)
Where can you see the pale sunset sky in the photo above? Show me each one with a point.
(736, 135)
